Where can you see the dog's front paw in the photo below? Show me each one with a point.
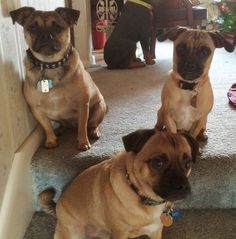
(84, 146)
(150, 62)
(50, 144)
(95, 134)
(202, 136)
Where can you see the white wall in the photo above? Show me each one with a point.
(83, 36)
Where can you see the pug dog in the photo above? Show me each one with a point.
(56, 86)
(187, 96)
(126, 196)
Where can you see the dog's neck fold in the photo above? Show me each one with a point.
(48, 65)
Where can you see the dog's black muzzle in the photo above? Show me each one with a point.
(190, 70)
(47, 44)
(173, 188)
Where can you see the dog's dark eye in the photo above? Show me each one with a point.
(33, 29)
(181, 49)
(57, 28)
(204, 52)
(157, 162)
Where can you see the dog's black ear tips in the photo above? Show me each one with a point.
(70, 16)
(194, 145)
(220, 41)
(135, 141)
(20, 15)
(171, 34)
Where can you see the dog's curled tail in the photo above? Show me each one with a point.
(45, 200)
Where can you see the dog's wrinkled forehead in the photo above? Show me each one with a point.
(167, 142)
(45, 19)
(149, 142)
(195, 38)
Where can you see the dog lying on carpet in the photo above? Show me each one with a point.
(57, 87)
(127, 195)
(134, 25)
(187, 96)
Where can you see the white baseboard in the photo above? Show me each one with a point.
(17, 206)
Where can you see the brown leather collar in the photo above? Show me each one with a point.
(48, 65)
(187, 85)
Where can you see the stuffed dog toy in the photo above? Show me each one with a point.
(134, 25)
(126, 196)
(187, 96)
(57, 87)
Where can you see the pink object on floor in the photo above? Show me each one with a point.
(232, 94)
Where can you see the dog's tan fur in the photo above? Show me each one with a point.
(74, 98)
(177, 112)
(101, 203)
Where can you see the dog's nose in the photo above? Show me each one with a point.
(190, 66)
(184, 187)
(47, 36)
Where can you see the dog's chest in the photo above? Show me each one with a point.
(185, 112)
(60, 102)
(151, 227)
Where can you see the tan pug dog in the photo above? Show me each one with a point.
(126, 196)
(57, 87)
(187, 95)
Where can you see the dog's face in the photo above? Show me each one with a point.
(46, 32)
(193, 50)
(161, 163)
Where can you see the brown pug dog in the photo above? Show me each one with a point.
(126, 196)
(57, 87)
(187, 95)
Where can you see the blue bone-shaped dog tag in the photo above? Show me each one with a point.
(175, 213)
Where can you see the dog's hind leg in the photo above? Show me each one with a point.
(69, 232)
(119, 235)
(157, 234)
(120, 53)
(96, 116)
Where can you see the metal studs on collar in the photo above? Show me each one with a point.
(48, 65)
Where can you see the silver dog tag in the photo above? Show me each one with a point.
(45, 86)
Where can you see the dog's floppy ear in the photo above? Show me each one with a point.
(20, 15)
(136, 140)
(172, 34)
(193, 144)
(220, 41)
(69, 15)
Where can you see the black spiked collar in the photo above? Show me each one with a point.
(48, 65)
